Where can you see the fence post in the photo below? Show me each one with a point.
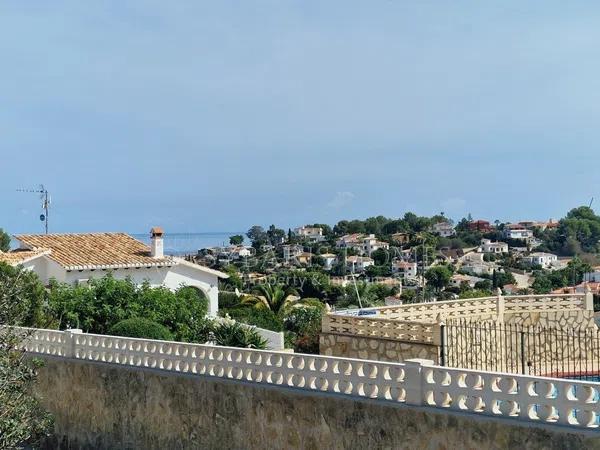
(414, 380)
(439, 338)
(499, 305)
(70, 341)
(589, 298)
(522, 352)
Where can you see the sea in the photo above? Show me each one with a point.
(190, 243)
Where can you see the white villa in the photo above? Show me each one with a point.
(546, 260)
(314, 234)
(364, 245)
(487, 246)
(358, 264)
(444, 229)
(474, 263)
(518, 233)
(77, 258)
(405, 269)
(330, 260)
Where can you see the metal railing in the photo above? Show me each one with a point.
(532, 350)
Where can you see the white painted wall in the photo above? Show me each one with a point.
(171, 277)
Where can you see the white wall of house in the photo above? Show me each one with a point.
(171, 277)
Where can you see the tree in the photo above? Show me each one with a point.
(4, 241)
(381, 257)
(273, 297)
(275, 235)
(236, 239)
(257, 236)
(438, 277)
(23, 423)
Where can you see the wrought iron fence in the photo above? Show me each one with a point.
(532, 350)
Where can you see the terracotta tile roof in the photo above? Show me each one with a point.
(94, 250)
(20, 256)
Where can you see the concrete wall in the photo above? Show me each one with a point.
(102, 406)
(334, 344)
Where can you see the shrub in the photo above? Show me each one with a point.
(233, 334)
(262, 318)
(138, 327)
(228, 299)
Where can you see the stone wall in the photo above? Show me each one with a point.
(102, 406)
(380, 349)
(554, 319)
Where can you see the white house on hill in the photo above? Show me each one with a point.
(76, 258)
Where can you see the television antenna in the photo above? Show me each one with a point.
(45, 197)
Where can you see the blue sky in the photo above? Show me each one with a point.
(207, 116)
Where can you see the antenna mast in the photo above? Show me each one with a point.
(45, 197)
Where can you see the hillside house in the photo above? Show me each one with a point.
(482, 226)
(329, 260)
(314, 234)
(517, 231)
(358, 264)
(444, 229)
(404, 269)
(77, 258)
(545, 260)
(291, 252)
(487, 246)
(401, 238)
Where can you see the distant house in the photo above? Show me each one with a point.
(517, 231)
(451, 254)
(358, 264)
(487, 246)
(329, 260)
(77, 258)
(457, 280)
(349, 240)
(314, 234)
(371, 244)
(539, 225)
(545, 260)
(291, 252)
(363, 245)
(304, 258)
(475, 264)
(480, 225)
(404, 269)
(444, 229)
(401, 238)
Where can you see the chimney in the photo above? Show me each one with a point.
(156, 245)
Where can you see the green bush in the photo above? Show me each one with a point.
(262, 318)
(104, 302)
(138, 327)
(237, 335)
(227, 299)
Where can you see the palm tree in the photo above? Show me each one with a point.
(275, 298)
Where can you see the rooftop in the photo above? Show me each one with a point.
(21, 255)
(93, 250)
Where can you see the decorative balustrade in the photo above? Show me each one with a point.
(514, 304)
(536, 399)
(381, 327)
(542, 400)
(480, 308)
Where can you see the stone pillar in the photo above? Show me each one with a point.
(414, 380)
(499, 306)
(70, 341)
(589, 298)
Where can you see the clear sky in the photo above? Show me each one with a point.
(215, 115)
